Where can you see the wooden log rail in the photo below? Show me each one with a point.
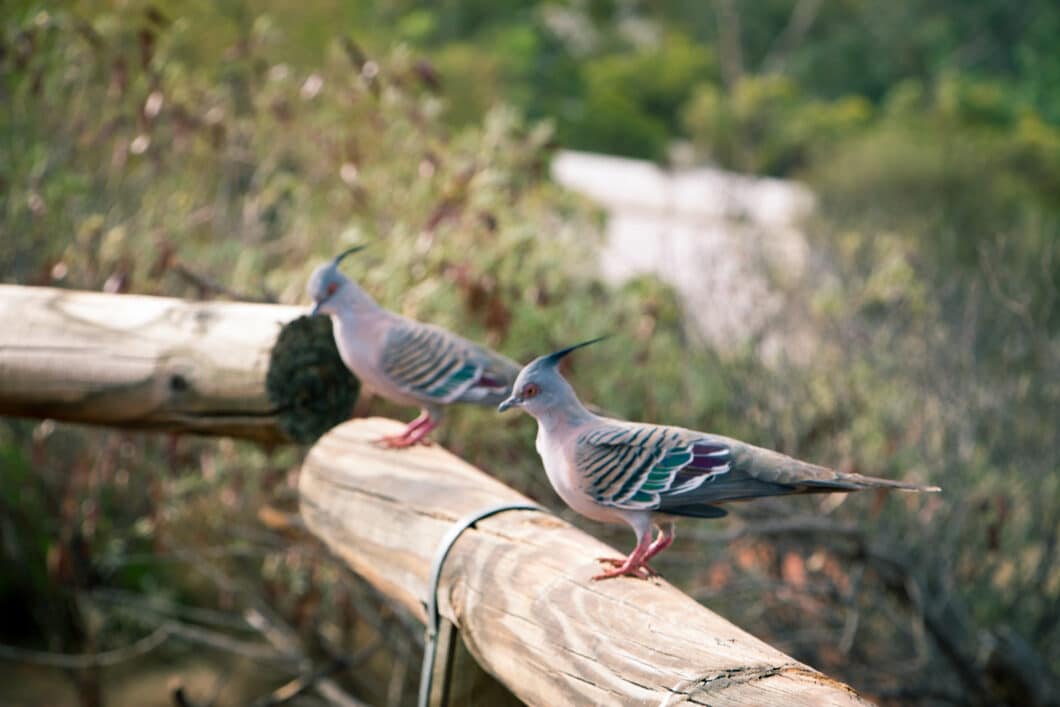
(518, 587)
(135, 361)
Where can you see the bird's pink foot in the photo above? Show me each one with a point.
(415, 433)
(662, 542)
(625, 567)
(401, 441)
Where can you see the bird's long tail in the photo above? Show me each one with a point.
(823, 479)
(768, 465)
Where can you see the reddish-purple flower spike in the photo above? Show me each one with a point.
(403, 360)
(648, 475)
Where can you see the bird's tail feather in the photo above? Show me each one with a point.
(857, 482)
(696, 511)
(767, 465)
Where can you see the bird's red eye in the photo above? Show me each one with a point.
(530, 391)
(332, 286)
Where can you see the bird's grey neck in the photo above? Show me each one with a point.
(353, 303)
(566, 416)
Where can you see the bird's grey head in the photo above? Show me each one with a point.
(327, 282)
(540, 389)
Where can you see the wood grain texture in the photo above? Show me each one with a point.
(518, 587)
(135, 361)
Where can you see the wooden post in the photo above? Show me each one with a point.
(518, 587)
(459, 680)
(135, 361)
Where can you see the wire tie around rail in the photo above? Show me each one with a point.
(430, 648)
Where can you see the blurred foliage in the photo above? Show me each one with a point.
(765, 125)
(632, 100)
(223, 150)
(169, 153)
(615, 75)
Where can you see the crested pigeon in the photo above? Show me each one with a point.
(403, 360)
(646, 475)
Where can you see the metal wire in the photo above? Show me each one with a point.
(430, 648)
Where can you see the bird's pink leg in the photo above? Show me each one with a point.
(633, 566)
(409, 429)
(419, 435)
(412, 434)
(663, 540)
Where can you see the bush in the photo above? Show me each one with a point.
(765, 126)
(186, 157)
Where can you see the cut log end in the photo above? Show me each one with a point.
(307, 383)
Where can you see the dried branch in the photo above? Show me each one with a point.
(181, 699)
(730, 41)
(286, 639)
(336, 695)
(396, 689)
(208, 286)
(910, 694)
(171, 610)
(1002, 669)
(801, 20)
(288, 691)
(208, 637)
(807, 525)
(90, 660)
(273, 629)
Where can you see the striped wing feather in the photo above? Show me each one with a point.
(682, 472)
(639, 466)
(438, 366)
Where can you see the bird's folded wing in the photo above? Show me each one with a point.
(648, 467)
(437, 366)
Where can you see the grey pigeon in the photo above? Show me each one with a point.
(403, 360)
(645, 475)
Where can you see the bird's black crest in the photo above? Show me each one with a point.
(348, 251)
(556, 356)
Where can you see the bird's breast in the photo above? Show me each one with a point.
(355, 351)
(359, 347)
(568, 483)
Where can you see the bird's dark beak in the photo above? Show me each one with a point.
(511, 402)
(316, 308)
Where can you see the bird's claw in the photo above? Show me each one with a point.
(624, 568)
(401, 441)
(613, 561)
(415, 433)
